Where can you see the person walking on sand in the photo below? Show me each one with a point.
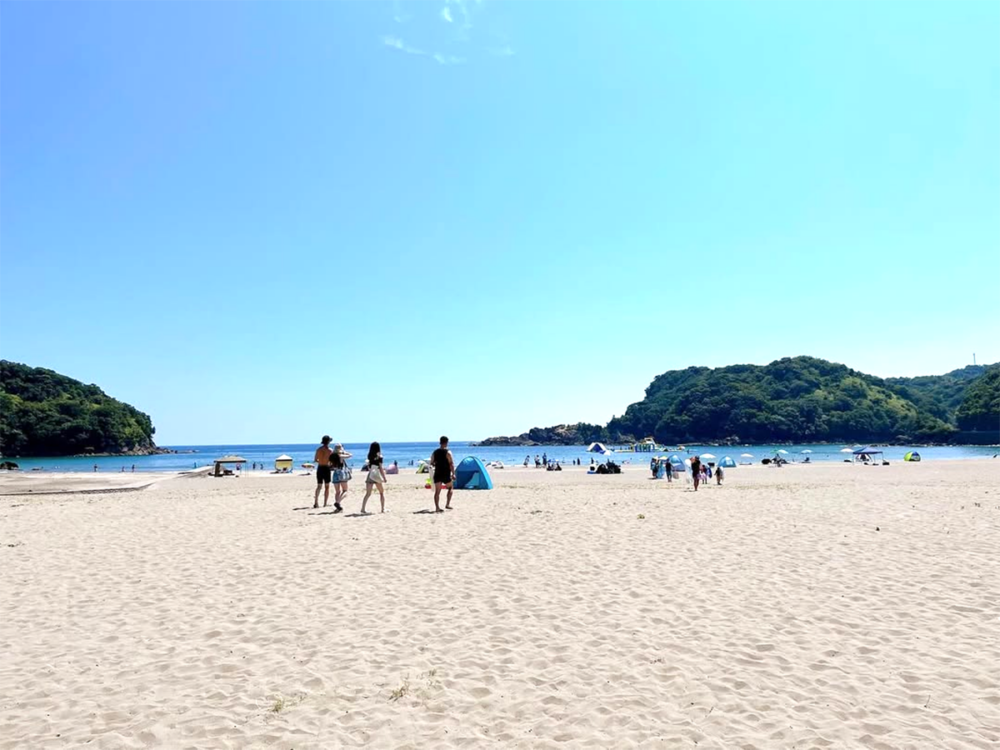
(696, 471)
(443, 466)
(718, 475)
(322, 459)
(376, 477)
(340, 475)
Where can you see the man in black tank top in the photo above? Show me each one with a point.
(443, 466)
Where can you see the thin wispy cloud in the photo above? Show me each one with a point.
(459, 16)
(396, 43)
(397, 13)
(448, 59)
(463, 9)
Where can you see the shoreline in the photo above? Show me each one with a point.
(43, 483)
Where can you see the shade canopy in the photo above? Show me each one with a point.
(283, 457)
(220, 462)
(866, 451)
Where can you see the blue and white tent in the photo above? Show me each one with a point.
(471, 474)
(727, 463)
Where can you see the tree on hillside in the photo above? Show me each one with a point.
(980, 409)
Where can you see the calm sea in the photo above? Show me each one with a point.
(194, 456)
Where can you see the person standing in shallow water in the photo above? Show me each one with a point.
(322, 459)
(443, 466)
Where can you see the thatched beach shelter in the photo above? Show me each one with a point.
(221, 463)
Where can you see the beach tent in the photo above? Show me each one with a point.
(912, 456)
(676, 461)
(424, 466)
(220, 464)
(283, 463)
(471, 474)
(727, 463)
(867, 454)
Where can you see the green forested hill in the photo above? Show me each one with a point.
(800, 399)
(941, 395)
(43, 413)
(980, 409)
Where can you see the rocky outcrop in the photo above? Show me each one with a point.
(561, 434)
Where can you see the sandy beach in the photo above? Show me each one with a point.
(807, 606)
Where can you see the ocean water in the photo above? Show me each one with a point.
(194, 456)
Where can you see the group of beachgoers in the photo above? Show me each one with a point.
(701, 472)
(543, 462)
(332, 468)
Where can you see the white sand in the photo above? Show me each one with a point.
(769, 613)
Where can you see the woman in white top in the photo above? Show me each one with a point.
(375, 478)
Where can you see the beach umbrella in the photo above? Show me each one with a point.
(807, 451)
(846, 450)
(746, 455)
(707, 455)
(781, 450)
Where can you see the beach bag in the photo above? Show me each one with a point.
(374, 475)
(348, 474)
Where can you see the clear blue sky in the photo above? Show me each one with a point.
(259, 222)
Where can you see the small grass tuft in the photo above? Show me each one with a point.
(641, 516)
(402, 690)
(279, 705)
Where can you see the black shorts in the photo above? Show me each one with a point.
(322, 475)
(442, 479)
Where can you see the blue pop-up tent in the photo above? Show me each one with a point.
(727, 463)
(471, 474)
